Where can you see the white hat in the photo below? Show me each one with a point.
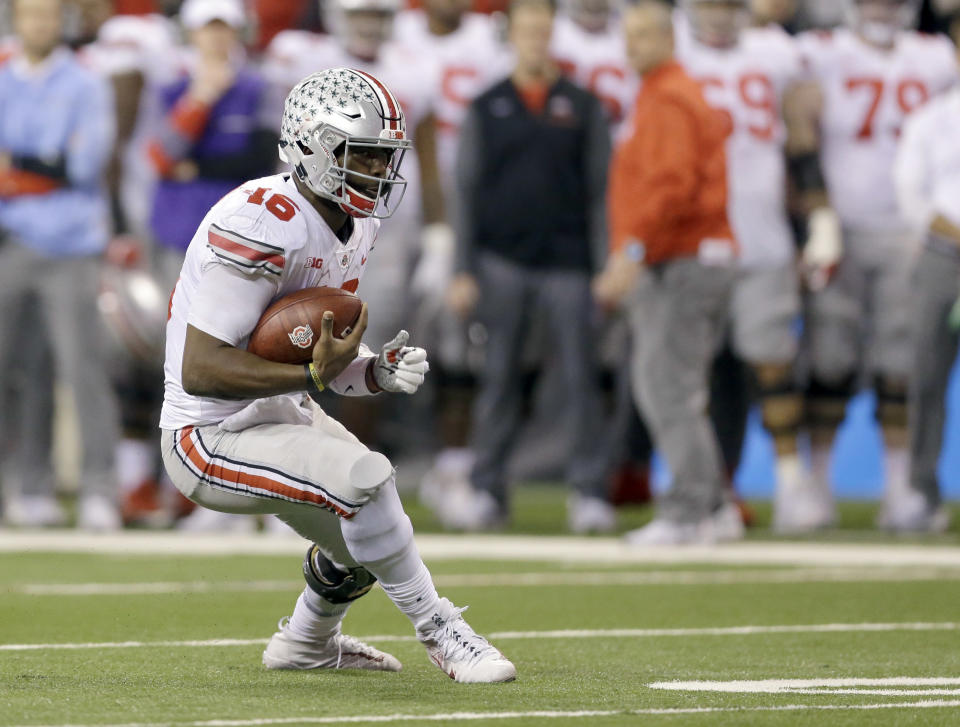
(197, 13)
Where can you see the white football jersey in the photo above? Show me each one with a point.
(265, 229)
(598, 63)
(748, 82)
(145, 44)
(868, 93)
(469, 60)
(128, 43)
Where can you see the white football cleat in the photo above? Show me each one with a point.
(722, 526)
(460, 652)
(34, 511)
(284, 651)
(802, 506)
(204, 520)
(590, 515)
(908, 511)
(471, 510)
(98, 513)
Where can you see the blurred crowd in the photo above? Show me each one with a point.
(625, 224)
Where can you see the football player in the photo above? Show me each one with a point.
(470, 56)
(749, 73)
(236, 435)
(871, 74)
(588, 45)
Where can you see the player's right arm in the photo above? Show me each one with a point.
(249, 245)
(214, 368)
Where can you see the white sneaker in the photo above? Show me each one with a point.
(459, 651)
(284, 651)
(98, 513)
(661, 531)
(450, 473)
(34, 511)
(802, 506)
(723, 526)
(590, 515)
(908, 511)
(470, 510)
(272, 525)
(203, 520)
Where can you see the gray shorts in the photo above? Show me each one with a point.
(859, 324)
(764, 315)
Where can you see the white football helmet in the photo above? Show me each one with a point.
(879, 21)
(717, 23)
(362, 26)
(334, 115)
(592, 15)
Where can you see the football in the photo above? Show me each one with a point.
(289, 328)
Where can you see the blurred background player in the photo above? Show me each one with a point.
(215, 131)
(531, 175)
(747, 73)
(132, 52)
(588, 46)
(927, 174)
(469, 57)
(860, 250)
(56, 136)
(672, 265)
(361, 32)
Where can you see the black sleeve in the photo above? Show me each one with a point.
(54, 168)
(258, 159)
(597, 151)
(468, 167)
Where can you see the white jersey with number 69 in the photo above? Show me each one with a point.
(747, 82)
(868, 93)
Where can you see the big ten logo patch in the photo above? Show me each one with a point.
(314, 262)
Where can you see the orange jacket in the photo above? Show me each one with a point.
(668, 180)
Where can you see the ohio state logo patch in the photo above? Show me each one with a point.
(301, 336)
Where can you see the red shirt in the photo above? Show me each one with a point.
(668, 180)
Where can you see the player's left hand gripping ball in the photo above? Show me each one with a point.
(400, 367)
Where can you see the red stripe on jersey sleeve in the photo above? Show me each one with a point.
(232, 246)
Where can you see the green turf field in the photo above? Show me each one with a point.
(131, 639)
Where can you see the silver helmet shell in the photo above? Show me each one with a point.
(881, 23)
(717, 23)
(333, 114)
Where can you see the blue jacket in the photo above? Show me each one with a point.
(179, 207)
(59, 110)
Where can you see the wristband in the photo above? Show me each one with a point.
(370, 379)
(314, 383)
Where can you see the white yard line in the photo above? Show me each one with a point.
(497, 548)
(888, 686)
(518, 580)
(554, 634)
(541, 714)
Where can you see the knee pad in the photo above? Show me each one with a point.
(782, 406)
(826, 403)
(370, 471)
(333, 584)
(891, 401)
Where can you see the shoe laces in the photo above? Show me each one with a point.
(458, 641)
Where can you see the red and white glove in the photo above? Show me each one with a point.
(399, 367)
(824, 248)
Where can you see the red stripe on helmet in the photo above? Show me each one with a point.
(393, 107)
